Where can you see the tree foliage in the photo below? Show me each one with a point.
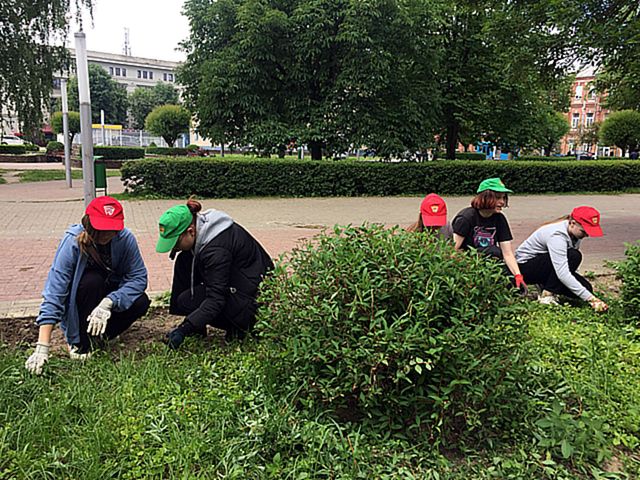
(143, 100)
(621, 129)
(74, 124)
(608, 34)
(106, 94)
(330, 74)
(168, 121)
(389, 74)
(552, 127)
(32, 34)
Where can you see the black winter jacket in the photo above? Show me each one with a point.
(231, 265)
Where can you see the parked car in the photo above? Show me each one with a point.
(11, 140)
(584, 156)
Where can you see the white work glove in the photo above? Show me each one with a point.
(38, 358)
(598, 305)
(98, 318)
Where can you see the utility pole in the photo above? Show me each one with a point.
(86, 131)
(65, 132)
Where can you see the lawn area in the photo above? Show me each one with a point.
(46, 175)
(209, 412)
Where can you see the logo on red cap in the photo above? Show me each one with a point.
(109, 210)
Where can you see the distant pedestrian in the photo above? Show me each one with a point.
(634, 155)
(433, 216)
(483, 227)
(550, 257)
(96, 285)
(216, 274)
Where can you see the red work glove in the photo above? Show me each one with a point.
(520, 285)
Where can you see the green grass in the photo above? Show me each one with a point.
(47, 175)
(210, 412)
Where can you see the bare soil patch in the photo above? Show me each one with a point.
(22, 333)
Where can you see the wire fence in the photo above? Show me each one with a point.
(129, 138)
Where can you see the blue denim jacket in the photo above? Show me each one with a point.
(61, 288)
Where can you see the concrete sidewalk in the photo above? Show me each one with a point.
(35, 216)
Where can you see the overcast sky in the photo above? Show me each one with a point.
(155, 28)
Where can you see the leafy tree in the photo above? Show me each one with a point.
(29, 31)
(607, 35)
(621, 129)
(144, 99)
(168, 121)
(106, 94)
(74, 124)
(553, 126)
(326, 73)
(589, 135)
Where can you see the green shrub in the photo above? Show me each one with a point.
(30, 147)
(118, 153)
(13, 149)
(171, 151)
(192, 147)
(395, 330)
(629, 271)
(54, 146)
(470, 156)
(228, 178)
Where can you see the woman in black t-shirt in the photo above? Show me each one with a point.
(483, 226)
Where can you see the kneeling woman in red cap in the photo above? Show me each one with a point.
(96, 284)
(550, 257)
(216, 274)
(433, 216)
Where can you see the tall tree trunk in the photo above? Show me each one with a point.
(452, 139)
(222, 149)
(316, 150)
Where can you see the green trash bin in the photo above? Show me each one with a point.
(100, 174)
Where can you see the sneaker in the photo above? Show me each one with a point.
(548, 298)
(79, 352)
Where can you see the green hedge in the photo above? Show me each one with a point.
(119, 153)
(167, 151)
(470, 156)
(307, 178)
(13, 149)
(572, 158)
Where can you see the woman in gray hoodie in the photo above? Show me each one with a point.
(550, 257)
(217, 271)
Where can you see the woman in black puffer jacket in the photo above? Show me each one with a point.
(217, 272)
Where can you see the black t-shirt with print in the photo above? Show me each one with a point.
(481, 232)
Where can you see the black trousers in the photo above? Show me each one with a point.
(237, 317)
(93, 287)
(539, 271)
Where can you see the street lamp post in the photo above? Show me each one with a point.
(65, 132)
(86, 132)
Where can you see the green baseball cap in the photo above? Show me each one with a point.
(172, 224)
(494, 184)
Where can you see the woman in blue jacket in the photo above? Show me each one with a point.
(96, 284)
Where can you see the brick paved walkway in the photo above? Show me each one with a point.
(35, 215)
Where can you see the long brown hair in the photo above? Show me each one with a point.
(557, 220)
(87, 238)
(417, 226)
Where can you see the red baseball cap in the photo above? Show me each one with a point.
(105, 213)
(589, 218)
(433, 211)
